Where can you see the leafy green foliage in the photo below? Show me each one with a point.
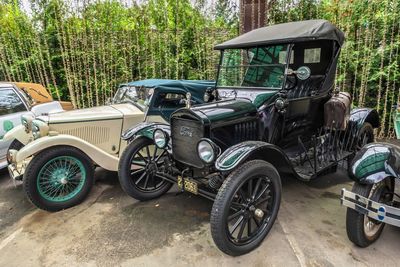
(82, 50)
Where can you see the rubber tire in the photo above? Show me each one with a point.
(368, 129)
(34, 167)
(124, 172)
(228, 188)
(355, 220)
(16, 145)
(365, 128)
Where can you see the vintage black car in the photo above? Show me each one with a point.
(272, 113)
(373, 200)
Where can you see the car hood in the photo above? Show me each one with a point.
(87, 114)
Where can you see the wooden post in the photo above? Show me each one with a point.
(252, 14)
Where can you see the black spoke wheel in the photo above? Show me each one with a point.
(365, 136)
(246, 207)
(140, 170)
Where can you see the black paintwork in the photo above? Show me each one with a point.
(285, 121)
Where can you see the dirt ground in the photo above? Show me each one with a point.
(111, 229)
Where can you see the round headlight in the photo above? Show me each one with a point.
(160, 138)
(206, 97)
(39, 128)
(26, 121)
(207, 150)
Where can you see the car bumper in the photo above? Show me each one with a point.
(375, 210)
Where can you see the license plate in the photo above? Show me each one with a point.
(188, 184)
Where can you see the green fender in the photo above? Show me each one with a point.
(145, 129)
(375, 162)
(250, 150)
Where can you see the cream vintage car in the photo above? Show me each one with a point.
(61, 150)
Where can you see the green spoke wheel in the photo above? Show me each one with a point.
(58, 178)
(61, 179)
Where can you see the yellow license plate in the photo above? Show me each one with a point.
(188, 185)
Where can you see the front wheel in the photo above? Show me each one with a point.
(58, 178)
(246, 207)
(141, 168)
(362, 230)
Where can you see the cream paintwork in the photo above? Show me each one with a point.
(95, 131)
(18, 133)
(100, 157)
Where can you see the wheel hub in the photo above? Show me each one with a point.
(151, 168)
(259, 213)
(64, 180)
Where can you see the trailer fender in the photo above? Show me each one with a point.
(374, 163)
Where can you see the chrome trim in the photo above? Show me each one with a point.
(377, 211)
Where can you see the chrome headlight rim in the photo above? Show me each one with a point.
(207, 150)
(39, 129)
(26, 121)
(161, 138)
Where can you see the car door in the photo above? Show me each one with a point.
(12, 107)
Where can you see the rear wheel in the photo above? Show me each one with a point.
(362, 230)
(58, 178)
(139, 170)
(246, 207)
(365, 136)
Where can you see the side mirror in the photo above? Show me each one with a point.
(302, 73)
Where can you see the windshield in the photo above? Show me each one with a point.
(262, 67)
(139, 96)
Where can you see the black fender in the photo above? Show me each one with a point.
(374, 163)
(250, 150)
(360, 115)
(145, 129)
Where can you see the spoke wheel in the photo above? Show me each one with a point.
(145, 165)
(250, 210)
(246, 207)
(58, 178)
(141, 170)
(365, 136)
(61, 179)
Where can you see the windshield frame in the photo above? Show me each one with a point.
(286, 66)
(143, 108)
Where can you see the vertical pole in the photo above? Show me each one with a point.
(252, 14)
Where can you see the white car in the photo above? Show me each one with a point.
(15, 102)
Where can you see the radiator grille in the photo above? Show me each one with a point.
(185, 136)
(93, 134)
(246, 131)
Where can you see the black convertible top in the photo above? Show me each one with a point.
(291, 32)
